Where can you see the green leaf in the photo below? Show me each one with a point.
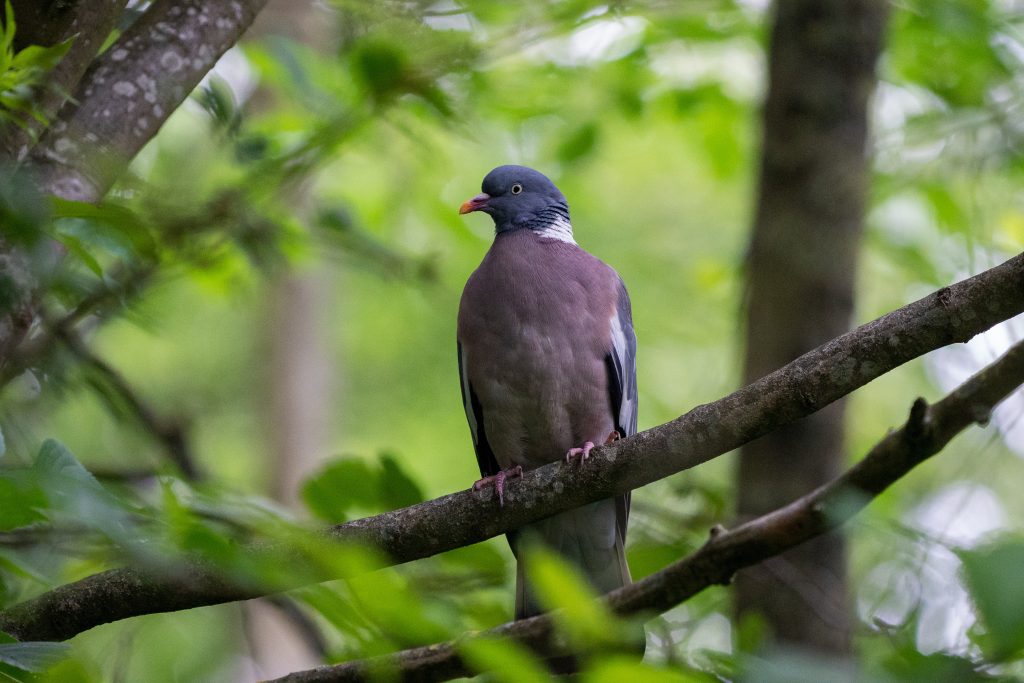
(217, 99)
(579, 144)
(910, 665)
(125, 225)
(55, 458)
(342, 485)
(23, 209)
(74, 494)
(397, 489)
(30, 656)
(349, 484)
(615, 669)
(76, 247)
(7, 37)
(992, 574)
(577, 609)
(504, 660)
(40, 57)
(380, 65)
(23, 499)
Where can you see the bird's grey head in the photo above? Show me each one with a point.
(518, 197)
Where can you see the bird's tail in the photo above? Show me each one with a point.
(591, 538)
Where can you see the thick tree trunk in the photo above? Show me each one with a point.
(800, 285)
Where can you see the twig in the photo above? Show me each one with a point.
(171, 434)
(926, 432)
(954, 313)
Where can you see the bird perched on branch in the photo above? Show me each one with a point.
(547, 361)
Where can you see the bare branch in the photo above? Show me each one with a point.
(926, 432)
(132, 88)
(952, 314)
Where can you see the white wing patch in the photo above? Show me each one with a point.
(620, 346)
(624, 349)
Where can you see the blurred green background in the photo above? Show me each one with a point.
(305, 261)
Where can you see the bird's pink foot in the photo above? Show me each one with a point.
(581, 453)
(584, 452)
(498, 482)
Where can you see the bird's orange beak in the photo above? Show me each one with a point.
(475, 204)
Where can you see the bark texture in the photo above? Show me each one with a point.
(48, 23)
(926, 432)
(131, 89)
(119, 104)
(819, 377)
(800, 287)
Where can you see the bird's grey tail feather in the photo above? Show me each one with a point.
(588, 538)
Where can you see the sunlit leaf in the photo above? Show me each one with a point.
(560, 588)
(502, 660)
(614, 669)
(39, 57)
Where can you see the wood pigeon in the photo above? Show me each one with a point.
(547, 361)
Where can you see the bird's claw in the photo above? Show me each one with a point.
(581, 453)
(498, 481)
(584, 452)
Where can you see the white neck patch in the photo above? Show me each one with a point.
(558, 229)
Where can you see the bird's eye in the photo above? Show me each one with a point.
(517, 188)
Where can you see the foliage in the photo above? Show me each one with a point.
(345, 168)
(22, 72)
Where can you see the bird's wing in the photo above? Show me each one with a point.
(475, 416)
(621, 363)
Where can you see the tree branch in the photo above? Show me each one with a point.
(952, 314)
(926, 432)
(49, 23)
(131, 89)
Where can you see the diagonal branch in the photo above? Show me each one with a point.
(926, 432)
(131, 89)
(89, 23)
(952, 314)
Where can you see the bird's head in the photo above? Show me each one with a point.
(520, 197)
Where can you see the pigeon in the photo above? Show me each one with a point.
(547, 363)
